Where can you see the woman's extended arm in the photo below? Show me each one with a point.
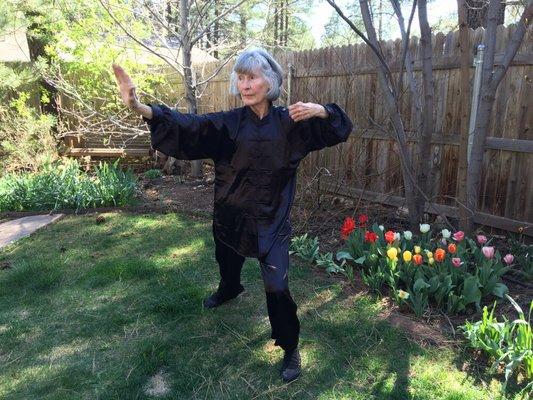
(128, 93)
(183, 136)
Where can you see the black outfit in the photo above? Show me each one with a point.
(255, 178)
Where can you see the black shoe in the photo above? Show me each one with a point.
(217, 299)
(291, 367)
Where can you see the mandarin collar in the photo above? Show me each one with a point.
(253, 116)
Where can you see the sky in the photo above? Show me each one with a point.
(322, 11)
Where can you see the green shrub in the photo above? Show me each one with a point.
(26, 138)
(153, 174)
(64, 185)
(305, 247)
(507, 342)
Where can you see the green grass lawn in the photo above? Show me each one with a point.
(113, 311)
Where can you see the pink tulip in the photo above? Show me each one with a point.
(458, 236)
(456, 261)
(481, 239)
(488, 251)
(509, 258)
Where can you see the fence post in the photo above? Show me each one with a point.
(478, 64)
(289, 83)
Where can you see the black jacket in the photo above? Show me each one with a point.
(255, 163)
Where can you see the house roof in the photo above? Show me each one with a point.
(14, 47)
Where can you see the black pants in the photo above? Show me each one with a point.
(274, 267)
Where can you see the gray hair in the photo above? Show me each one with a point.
(258, 60)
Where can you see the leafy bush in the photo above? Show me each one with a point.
(507, 342)
(65, 185)
(153, 174)
(26, 138)
(326, 261)
(305, 247)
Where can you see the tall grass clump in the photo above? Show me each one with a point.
(64, 185)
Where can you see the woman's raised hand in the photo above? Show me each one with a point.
(302, 111)
(126, 88)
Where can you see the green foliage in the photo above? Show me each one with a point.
(523, 256)
(451, 288)
(65, 185)
(326, 261)
(26, 138)
(418, 297)
(153, 174)
(305, 247)
(507, 342)
(375, 276)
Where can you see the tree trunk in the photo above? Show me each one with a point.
(190, 89)
(428, 120)
(397, 123)
(243, 27)
(466, 62)
(486, 101)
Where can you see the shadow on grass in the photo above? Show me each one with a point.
(98, 310)
(477, 366)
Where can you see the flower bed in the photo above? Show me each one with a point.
(447, 271)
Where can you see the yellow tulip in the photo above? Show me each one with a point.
(407, 256)
(429, 254)
(392, 253)
(417, 249)
(403, 295)
(431, 261)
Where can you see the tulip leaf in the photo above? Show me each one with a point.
(471, 292)
(360, 260)
(344, 255)
(420, 284)
(500, 290)
(515, 304)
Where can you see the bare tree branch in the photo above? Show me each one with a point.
(514, 44)
(140, 43)
(208, 25)
(374, 47)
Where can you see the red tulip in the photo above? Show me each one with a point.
(347, 227)
(370, 237)
(363, 219)
(417, 259)
(389, 237)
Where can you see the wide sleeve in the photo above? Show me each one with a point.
(317, 133)
(186, 136)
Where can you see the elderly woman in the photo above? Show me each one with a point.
(256, 150)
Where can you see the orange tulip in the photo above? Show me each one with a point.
(417, 259)
(452, 248)
(440, 254)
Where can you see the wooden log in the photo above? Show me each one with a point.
(481, 218)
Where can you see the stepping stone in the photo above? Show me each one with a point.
(12, 231)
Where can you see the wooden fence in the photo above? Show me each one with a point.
(368, 164)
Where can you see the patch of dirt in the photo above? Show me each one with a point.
(417, 330)
(173, 193)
